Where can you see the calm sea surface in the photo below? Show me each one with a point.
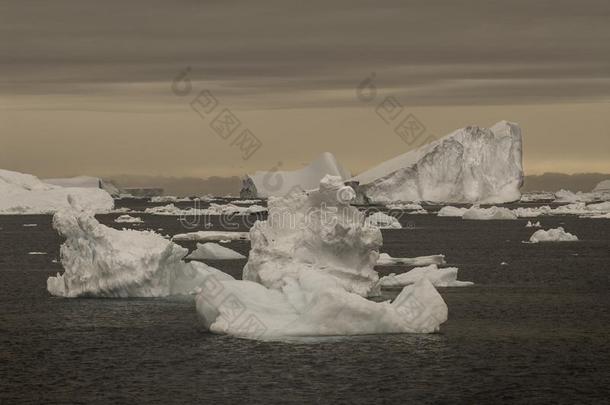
(535, 330)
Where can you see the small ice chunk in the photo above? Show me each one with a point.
(552, 235)
(383, 221)
(128, 219)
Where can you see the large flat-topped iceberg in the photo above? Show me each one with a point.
(26, 194)
(279, 182)
(471, 165)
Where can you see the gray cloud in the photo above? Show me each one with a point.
(280, 54)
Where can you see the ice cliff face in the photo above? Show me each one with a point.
(26, 194)
(279, 183)
(471, 165)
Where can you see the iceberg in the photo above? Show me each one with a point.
(552, 235)
(383, 221)
(531, 224)
(470, 165)
(439, 277)
(264, 184)
(450, 211)
(26, 194)
(214, 251)
(100, 261)
(309, 272)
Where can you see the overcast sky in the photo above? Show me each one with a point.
(86, 87)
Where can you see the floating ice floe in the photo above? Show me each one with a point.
(100, 261)
(29, 225)
(213, 209)
(37, 253)
(204, 236)
(537, 196)
(469, 165)
(443, 277)
(383, 221)
(308, 273)
(26, 194)
(387, 260)
(599, 210)
(245, 202)
(168, 199)
(552, 235)
(531, 224)
(488, 213)
(450, 211)
(128, 219)
(404, 206)
(570, 197)
(214, 251)
(477, 213)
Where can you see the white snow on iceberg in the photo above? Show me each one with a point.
(214, 251)
(471, 164)
(552, 235)
(26, 194)
(309, 276)
(104, 262)
(279, 183)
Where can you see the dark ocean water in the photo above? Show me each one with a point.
(536, 330)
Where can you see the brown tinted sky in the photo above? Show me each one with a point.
(85, 87)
